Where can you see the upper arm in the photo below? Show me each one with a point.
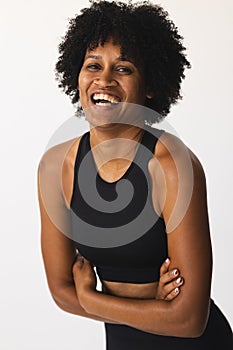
(181, 190)
(58, 249)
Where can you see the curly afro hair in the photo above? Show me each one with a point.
(143, 30)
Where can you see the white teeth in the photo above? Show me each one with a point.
(104, 104)
(105, 97)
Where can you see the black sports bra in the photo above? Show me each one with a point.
(114, 225)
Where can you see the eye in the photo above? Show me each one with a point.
(124, 70)
(93, 67)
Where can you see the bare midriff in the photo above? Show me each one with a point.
(131, 290)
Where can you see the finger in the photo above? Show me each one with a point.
(173, 294)
(79, 257)
(173, 285)
(87, 264)
(79, 262)
(77, 266)
(169, 276)
(164, 267)
(167, 288)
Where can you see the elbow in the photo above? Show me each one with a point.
(181, 323)
(56, 294)
(57, 302)
(187, 330)
(66, 299)
(193, 329)
(58, 299)
(191, 324)
(62, 306)
(61, 297)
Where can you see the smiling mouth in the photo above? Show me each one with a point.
(105, 100)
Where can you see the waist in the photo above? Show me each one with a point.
(128, 275)
(130, 290)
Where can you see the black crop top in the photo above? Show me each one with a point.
(124, 244)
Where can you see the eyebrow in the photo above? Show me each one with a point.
(118, 59)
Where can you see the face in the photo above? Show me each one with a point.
(106, 78)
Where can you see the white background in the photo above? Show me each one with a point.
(32, 108)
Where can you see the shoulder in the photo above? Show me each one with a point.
(173, 155)
(59, 155)
(179, 181)
(56, 154)
(56, 170)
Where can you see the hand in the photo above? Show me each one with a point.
(169, 283)
(84, 277)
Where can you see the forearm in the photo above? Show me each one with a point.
(149, 315)
(68, 301)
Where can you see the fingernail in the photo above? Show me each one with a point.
(179, 279)
(80, 258)
(174, 272)
(176, 290)
(167, 260)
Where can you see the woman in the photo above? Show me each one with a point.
(117, 60)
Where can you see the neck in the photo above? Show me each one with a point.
(114, 145)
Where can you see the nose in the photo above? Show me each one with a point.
(105, 79)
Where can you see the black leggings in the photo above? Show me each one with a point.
(217, 335)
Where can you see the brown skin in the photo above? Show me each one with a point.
(58, 250)
(186, 315)
(189, 246)
(105, 70)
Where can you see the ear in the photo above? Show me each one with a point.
(149, 94)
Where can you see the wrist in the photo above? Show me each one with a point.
(84, 297)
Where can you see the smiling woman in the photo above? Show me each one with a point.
(107, 78)
(132, 211)
(106, 67)
(147, 37)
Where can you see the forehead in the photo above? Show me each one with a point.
(108, 49)
(112, 50)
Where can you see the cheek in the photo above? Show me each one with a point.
(84, 81)
(138, 90)
(80, 79)
(80, 87)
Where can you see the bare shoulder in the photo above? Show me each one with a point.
(177, 176)
(56, 167)
(172, 152)
(58, 153)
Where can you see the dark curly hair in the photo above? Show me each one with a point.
(143, 30)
